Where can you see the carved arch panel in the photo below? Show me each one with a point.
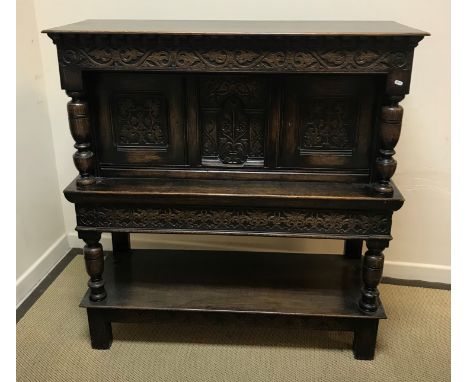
(233, 123)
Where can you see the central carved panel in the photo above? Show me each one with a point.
(140, 119)
(233, 140)
(328, 124)
(233, 118)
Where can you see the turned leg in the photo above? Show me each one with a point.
(353, 249)
(94, 259)
(372, 268)
(365, 337)
(120, 244)
(100, 330)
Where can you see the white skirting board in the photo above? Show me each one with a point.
(28, 281)
(395, 269)
(418, 271)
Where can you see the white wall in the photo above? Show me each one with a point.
(421, 249)
(40, 229)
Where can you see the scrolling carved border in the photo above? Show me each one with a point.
(279, 54)
(289, 221)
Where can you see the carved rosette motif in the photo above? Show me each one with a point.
(311, 55)
(293, 221)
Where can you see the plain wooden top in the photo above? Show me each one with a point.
(229, 192)
(231, 27)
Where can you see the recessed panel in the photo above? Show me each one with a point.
(139, 119)
(327, 122)
(233, 123)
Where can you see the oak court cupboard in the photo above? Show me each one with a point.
(271, 128)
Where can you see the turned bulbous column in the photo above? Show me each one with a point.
(372, 268)
(78, 118)
(389, 133)
(94, 260)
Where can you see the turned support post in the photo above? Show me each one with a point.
(389, 133)
(94, 260)
(391, 114)
(372, 268)
(78, 118)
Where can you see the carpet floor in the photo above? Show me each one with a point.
(53, 344)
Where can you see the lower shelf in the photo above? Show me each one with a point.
(238, 282)
(321, 291)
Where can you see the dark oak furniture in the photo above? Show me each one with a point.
(237, 128)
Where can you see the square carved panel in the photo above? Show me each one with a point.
(140, 119)
(328, 124)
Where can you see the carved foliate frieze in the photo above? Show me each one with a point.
(233, 117)
(286, 54)
(139, 119)
(328, 124)
(293, 221)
